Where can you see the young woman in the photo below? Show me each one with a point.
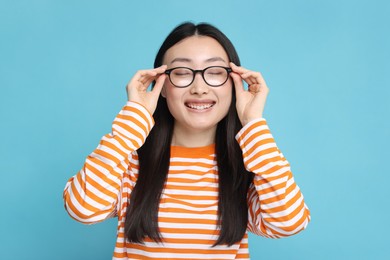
(191, 165)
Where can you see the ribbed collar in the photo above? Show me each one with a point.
(192, 152)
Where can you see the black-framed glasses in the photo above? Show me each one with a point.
(214, 76)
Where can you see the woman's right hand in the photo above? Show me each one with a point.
(137, 88)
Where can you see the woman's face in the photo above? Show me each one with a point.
(198, 107)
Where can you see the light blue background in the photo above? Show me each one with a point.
(63, 70)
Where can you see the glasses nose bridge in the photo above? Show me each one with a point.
(201, 72)
(198, 71)
(199, 85)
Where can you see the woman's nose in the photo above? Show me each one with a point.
(199, 86)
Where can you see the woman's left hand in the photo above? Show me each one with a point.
(250, 103)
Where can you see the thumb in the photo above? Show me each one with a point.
(238, 84)
(159, 84)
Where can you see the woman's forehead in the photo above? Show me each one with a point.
(196, 49)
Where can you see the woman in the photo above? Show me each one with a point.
(191, 165)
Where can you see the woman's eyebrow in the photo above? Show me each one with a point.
(215, 59)
(180, 60)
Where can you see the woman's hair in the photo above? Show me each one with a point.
(154, 156)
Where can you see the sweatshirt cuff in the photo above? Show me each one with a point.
(250, 125)
(134, 123)
(142, 111)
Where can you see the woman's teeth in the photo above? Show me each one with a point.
(199, 107)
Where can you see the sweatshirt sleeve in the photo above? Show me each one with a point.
(92, 195)
(276, 205)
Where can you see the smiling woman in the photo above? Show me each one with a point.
(190, 166)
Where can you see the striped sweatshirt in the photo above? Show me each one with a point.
(187, 216)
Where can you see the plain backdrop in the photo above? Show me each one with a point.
(63, 70)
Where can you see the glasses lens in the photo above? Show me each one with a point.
(215, 76)
(181, 77)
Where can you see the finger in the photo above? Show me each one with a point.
(248, 79)
(146, 73)
(254, 88)
(142, 75)
(261, 92)
(264, 90)
(154, 72)
(160, 69)
(147, 82)
(244, 73)
(160, 73)
(238, 69)
(257, 77)
(148, 76)
(139, 78)
(238, 84)
(159, 84)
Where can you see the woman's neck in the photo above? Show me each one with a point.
(193, 137)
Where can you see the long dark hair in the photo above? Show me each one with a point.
(154, 156)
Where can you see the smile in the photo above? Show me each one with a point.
(201, 106)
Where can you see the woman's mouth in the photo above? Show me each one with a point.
(200, 106)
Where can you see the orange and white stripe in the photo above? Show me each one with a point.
(188, 207)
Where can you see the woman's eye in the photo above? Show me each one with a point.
(181, 72)
(215, 72)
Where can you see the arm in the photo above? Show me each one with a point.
(92, 194)
(276, 205)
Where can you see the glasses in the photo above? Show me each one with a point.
(214, 76)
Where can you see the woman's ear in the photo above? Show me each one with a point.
(163, 93)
